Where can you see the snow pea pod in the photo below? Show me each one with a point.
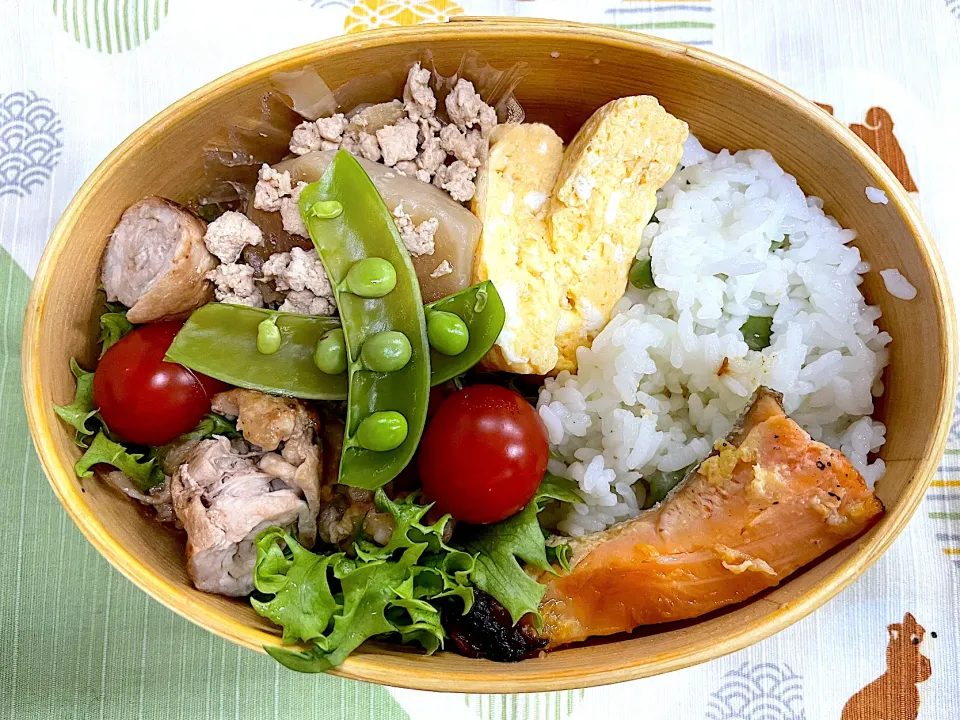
(377, 291)
(220, 340)
(481, 309)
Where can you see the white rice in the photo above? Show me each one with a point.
(897, 285)
(647, 396)
(877, 196)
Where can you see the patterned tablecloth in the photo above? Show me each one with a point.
(80, 641)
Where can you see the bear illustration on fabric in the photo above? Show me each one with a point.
(894, 695)
(877, 132)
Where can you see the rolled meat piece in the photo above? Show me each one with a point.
(155, 261)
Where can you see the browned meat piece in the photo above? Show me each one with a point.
(158, 498)
(299, 469)
(331, 436)
(224, 500)
(266, 420)
(155, 261)
(342, 514)
(345, 511)
(173, 455)
(269, 422)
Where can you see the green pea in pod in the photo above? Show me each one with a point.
(447, 333)
(330, 357)
(387, 351)
(382, 431)
(481, 310)
(372, 277)
(268, 336)
(326, 209)
(220, 340)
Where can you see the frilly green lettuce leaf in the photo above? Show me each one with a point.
(212, 424)
(113, 326)
(562, 490)
(303, 602)
(369, 590)
(408, 530)
(557, 488)
(499, 548)
(81, 413)
(453, 571)
(144, 473)
(415, 618)
(497, 569)
(559, 555)
(334, 603)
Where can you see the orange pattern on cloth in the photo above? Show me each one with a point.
(371, 14)
(894, 695)
(877, 132)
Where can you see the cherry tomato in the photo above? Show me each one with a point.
(144, 399)
(437, 396)
(483, 454)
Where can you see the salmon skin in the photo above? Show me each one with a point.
(767, 502)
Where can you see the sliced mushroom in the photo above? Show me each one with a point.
(156, 261)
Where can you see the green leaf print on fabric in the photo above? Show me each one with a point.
(530, 706)
(111, 26)
(83, 642)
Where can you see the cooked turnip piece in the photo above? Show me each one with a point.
(455, 239)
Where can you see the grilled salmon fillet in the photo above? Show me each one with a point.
(767, 502)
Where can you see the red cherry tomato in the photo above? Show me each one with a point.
(483, 454)
(144, 399)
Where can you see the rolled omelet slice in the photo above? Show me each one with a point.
(604, 196)
(515, 252)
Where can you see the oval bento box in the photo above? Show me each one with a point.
(573, 69)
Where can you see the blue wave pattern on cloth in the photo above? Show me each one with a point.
(765, 691)
(666, 8)
(30, 142)
(954, 436)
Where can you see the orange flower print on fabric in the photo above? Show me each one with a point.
(370, 14)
